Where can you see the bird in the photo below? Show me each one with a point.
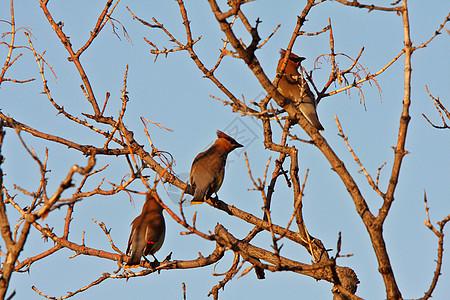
(208, 167)
(293, 86)
(147, 232)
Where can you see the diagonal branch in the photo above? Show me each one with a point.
(369, 178)
(74, 57)
(98, 26)
(436, 33)
(440, 251)
(370, 7)
(440, 108)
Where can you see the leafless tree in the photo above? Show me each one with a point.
(273, 111)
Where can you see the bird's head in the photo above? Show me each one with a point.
(293, 59)
(227, 142)
(151, 204)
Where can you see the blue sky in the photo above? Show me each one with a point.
(173, 92)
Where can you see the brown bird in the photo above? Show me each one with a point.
(293, 86)
(148, 231)
(208, 168)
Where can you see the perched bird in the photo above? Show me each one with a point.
(148, 231)
(293, 86)
(208, 168)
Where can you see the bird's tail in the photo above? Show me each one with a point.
(313, 119)
(135, 258)
(308, 109)
(198, 197)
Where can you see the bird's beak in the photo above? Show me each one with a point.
(237, 145)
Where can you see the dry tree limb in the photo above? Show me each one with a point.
(169, 35)
(298, 205)
(368, 77)
(98, 26)
(75, 57)
(42, 168)
(14, 246)
(440, 251)
(370, 7)
(9, 61)
(30, 260)
(277, 172)
(251, 253)
(27, 262)
(79, 195)
(326, 28)
(215, 256)
(122, 110)
(189, 46)
(260, 186)
(378, 173)
(184, 290)
(357, 160)
(339, 75)
(85, 178)
(228, 276)
(436, 33)
(60, 109)
(268, 38)
(65, 184)
(12, 250)
(85, 149)
(223, 51)
(107, 233)
(441, 109)
(249, 218)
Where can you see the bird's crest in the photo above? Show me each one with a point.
(233, 142)
(292, 57)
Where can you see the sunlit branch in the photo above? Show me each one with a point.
(370, 7)
(436, 33)
(441, 109)
(440, 251)
(355, 157)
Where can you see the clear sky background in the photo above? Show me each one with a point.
(173, 92)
